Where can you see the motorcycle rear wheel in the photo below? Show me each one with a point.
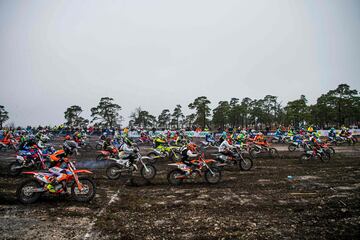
(113, 171)
(292, 148)
(25, 197)
(171, 177)
(254, 153)
(153, 158)
(325, 157)
(274, 152)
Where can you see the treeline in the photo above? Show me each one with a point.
(337, 107)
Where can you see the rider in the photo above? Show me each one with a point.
(59, 160)
(344, 132)
(278, 133)
(69, 147)
(241, 138)
(226, 146)
(27, 143)
(160, 140)
(187, 153)
(77, 137)
(209, 138)
(310, 129)
(126, 152)
(332, 134)
(108, 146)
(259, 138)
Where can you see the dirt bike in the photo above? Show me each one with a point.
(280, 139)
(351, 139)
(85, 144)
(328, 149)
(11, 144)
(204, 144)
(235, 158)
(313, 152)
(120, 166)
(205, 168)
(179, 142)
(164, 151)
(297, 144)
(34, 159)
(82, 187)
(262, 147)
(340, 140)
(105, 155)
(144, 141)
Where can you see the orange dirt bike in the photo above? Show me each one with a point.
(82, 187)
(263, 147)
(10, 144)
(205, 168)
(105, 154)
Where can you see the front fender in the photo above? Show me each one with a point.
(83, 171)
(145, 158)
(29, 173)
(105, 153)
(154, 152)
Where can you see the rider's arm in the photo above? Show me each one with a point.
(191, 154)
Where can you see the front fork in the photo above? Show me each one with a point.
(207, 166)
(78, 183)
(144, 165)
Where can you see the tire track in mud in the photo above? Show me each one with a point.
(89, 232)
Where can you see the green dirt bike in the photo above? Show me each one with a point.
(164, 151)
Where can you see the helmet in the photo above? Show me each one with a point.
(40, 144)
(67, 137)
(191, 147)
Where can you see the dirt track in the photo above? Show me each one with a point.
(322, 201)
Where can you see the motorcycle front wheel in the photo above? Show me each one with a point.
(246, 164)
(88, 191)
(14, 169)
(304, 157)
(149, 172)
(214, 176)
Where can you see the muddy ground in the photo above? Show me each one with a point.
(321, 202)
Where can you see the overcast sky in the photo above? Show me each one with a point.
(156, 54)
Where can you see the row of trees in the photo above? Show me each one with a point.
(337, 107)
